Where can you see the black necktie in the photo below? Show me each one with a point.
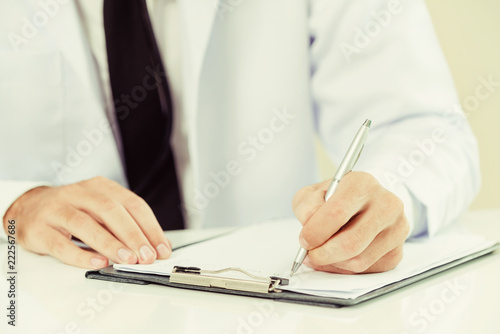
(143, 108)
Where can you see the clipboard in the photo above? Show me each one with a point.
(194, 278)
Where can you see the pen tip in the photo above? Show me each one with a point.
(291, 273)
(368, 123)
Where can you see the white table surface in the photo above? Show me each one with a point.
(56, 298)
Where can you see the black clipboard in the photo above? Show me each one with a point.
(111, 274)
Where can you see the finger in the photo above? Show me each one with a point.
(349, 199)
(92, 233)
(355, 236)
(385, 242)
(63, 249)
(308, 200)
(116, 218)
(327, 268)
(145, 218)
(387, 262)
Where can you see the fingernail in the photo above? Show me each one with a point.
(146, 253)
(303, 242)
(97, 262)
(124, 255)
(163, 251)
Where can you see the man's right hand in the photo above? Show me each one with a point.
(112, 220)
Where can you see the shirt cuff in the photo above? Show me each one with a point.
(11, 191)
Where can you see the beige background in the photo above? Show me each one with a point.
(469, 32)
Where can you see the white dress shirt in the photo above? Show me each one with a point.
(165, 23)
(238, 77)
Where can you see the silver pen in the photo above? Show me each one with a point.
(350, 159)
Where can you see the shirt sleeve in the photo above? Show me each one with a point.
(381, 60)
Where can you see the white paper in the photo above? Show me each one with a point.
(268, 249)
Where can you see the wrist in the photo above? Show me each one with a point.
(17, 205)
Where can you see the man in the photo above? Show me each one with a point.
(87, 110)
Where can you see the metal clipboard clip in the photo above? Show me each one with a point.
(205, 278)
